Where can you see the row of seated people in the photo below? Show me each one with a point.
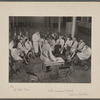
(22, 50)
(72, 50)
(69, 47)
(77, 52)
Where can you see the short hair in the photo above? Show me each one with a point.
(49, 41)
(26, 39)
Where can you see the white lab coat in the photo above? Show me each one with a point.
(85, 53)
(28, 46)
(68, 43)
(53, 45)
(74, 46)
(21, 48)
(46, 53)
(11, 45)
(41, 43)
(35, 39)
(15, 54)
(80, 45)
(60, 41)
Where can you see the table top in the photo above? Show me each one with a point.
(59, 62)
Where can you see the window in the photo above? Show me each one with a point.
(78, 18)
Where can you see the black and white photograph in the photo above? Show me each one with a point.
(50, 49)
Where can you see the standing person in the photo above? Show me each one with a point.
(35, 39)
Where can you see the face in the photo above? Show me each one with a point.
(74, 39)
(68, 38)
(21, 41)
(49, 41)
(27, 40)
(37, 33)
(81, 40)
(13, 42)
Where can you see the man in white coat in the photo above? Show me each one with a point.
(36, 39)
(46, 53)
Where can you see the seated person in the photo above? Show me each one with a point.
(61, 42)
(22, 50)
(46, 53)
(21, 46)
(28, 44)
(77, 49)
(57, 49)
(80, 45)
(15, 55)
(73, 48)
(20, 35)
(83, 55)
(11, 45)
(28, 47)
(41, 42)
(55, 36)
(68, 45)
(74, 45)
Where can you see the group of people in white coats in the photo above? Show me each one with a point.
(46, 46)
(20, 48)
(79, 51)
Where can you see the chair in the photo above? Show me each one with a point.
(32, 77)
(86, 64)
(14, 65)
(29, 54)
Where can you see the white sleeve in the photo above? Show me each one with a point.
(31, 44)
(57, 42)
(15, 55)
(26, 45)
(33, 37)
(52, 57)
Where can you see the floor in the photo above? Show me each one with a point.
(35, 66)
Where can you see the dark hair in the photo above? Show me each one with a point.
(26, 39)
(69, 36)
